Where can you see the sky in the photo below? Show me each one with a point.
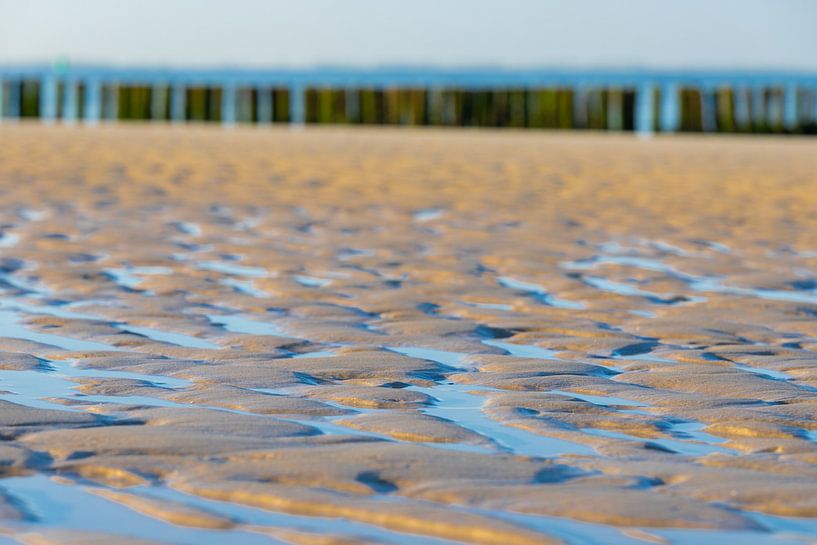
(725, 34)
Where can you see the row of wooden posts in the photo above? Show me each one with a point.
(724, 109)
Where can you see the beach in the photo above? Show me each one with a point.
(406, 336)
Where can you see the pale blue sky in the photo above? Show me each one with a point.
(579, 33)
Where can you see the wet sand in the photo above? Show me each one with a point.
(406, 336)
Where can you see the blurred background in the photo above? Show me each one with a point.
(622, 65)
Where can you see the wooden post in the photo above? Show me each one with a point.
(158, 102)
(435, 105)
(759, 108)
(111, 103)
(92, 109)
(580, 107)
(790, 114)
(518, 108)
(352, 107)
(743, 114)
(69, 102)
(814, 105)
(228, 104)
(725, 109)
(48, 99)
(774, 111)
(615, 109)
(645, 109)
(367, 106)
(449, 116)
(13, 103)
(670, 110)
(595, 109)
(325, 110)
(564, 99)
(266, 109)
(178, 103)
(550, 107)
(709, 122)
(297, 111)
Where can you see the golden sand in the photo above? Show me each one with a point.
(419, 330)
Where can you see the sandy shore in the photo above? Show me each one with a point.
(406, 336)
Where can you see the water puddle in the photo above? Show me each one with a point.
(33, 388)
(59, 311)
(694, 430)
(234, 269)
(30, 214)
(584, 533)
(317, 354)
(65, 506)
(539, 293)
(689, 439)
(345, 254)
(604, 401)
(428, 214)
(715, 284)
(489, 306)
(40, 494)
(311, 281)
(10, 327)
(236, 323)
(130, 278)
(523, 350)
(762, 371)
(626, 261)
(68, 506)
(187, 228)
(8, 240)
(717, 246)
(450, 359)
(685, 448)
(705, 284)
(627, 290)
(457, 404)
(179, 339)
(244, 287)
(638, 351)
(327, 425)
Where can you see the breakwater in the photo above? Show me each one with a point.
(643, 102)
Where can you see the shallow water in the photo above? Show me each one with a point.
(227, 267)
(523, 350)
(685, 448)
(178, 339)
(57, 379)
(706, 284)
(237, 323)
(9, 240)
(245, 287)
(491, 306)
(311, 281)
(457, 404)
(451, 359)
(605, 401)
(130, 278)
(539, 293)
(428, 214)
(10, 327)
